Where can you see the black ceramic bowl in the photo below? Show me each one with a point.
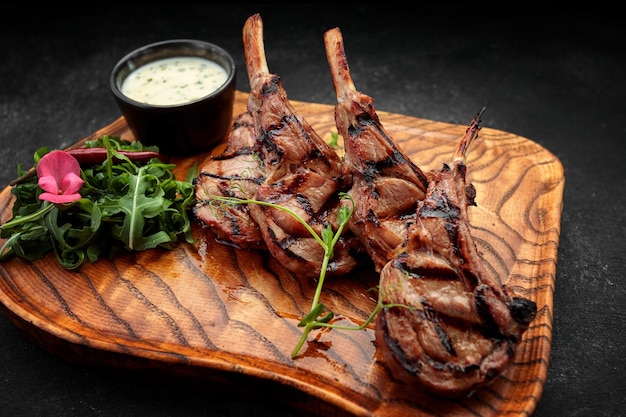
(181, 128)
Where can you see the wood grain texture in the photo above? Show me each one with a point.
(208, 309)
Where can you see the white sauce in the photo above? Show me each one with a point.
(176, 80)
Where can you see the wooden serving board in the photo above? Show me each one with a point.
(213, 312)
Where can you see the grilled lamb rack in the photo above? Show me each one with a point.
(302, 172)
(463, 326)
(387, 185)
(236, 172)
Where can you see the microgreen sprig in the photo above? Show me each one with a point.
(319, 315)
(334, 141)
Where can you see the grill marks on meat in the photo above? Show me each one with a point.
(236, 172)
(301, 172)
(273, 155)
(464, 326)
(387, 185)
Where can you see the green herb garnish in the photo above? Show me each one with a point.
(334, 140)
(123, 204)
(319, 315)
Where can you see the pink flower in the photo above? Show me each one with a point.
(59, 177)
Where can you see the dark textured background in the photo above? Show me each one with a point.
(558, 79)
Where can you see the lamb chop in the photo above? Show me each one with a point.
(302, 172)
(236, 172)
(463, 326)
(387, 185)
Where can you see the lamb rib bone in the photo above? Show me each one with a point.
(387, 185)
(302, 172)
(463, 326)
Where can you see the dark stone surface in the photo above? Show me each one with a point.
(556, 79)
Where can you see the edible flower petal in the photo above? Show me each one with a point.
(59, 177)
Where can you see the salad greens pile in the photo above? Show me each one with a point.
(125, 203)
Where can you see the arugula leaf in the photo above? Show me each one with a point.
(124, 205)
(143, 200)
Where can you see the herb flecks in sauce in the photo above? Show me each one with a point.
(174, 81)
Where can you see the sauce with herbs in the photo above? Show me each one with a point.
(172, 81)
